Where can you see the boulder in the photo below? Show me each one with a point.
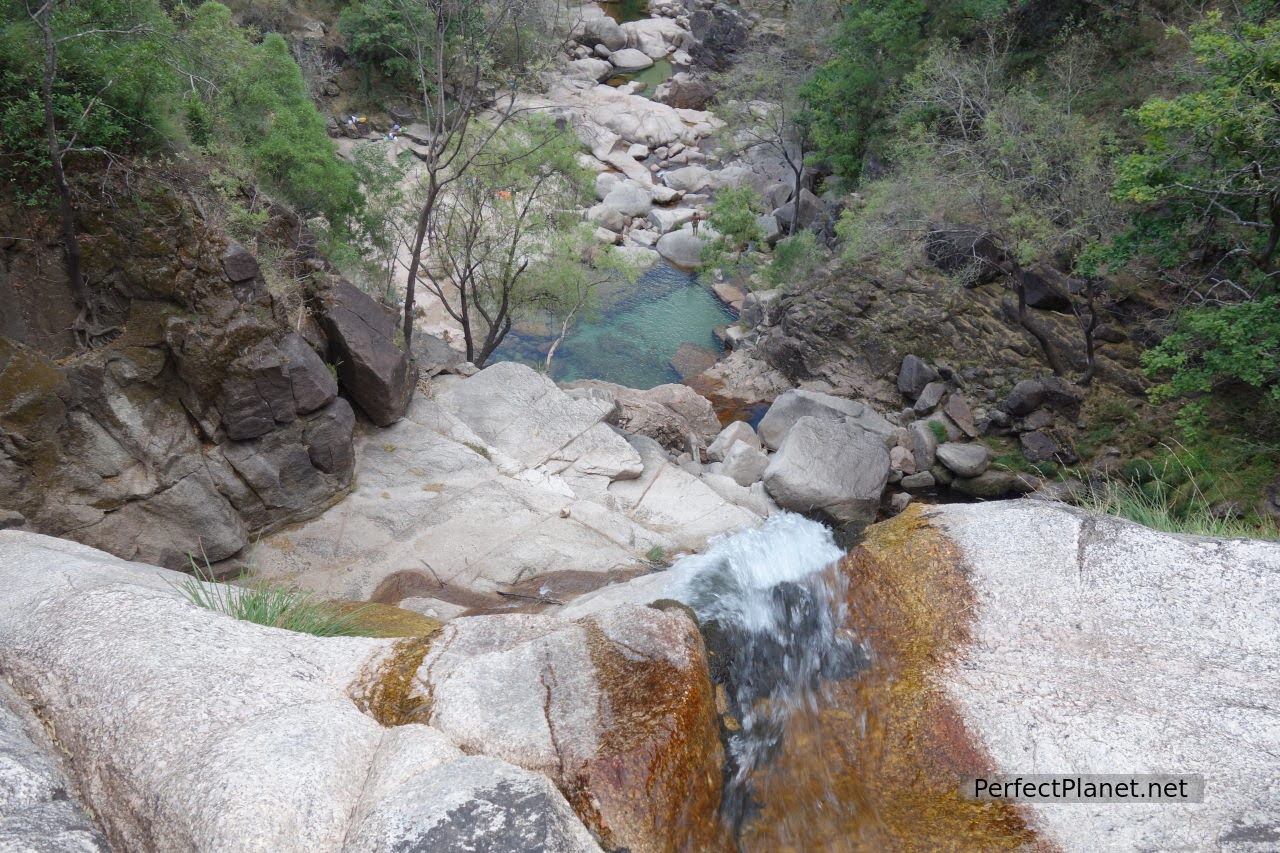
(606, 706)
(957, 408)
(812, 211)
(929, 398)
(923, 444)
(964, 460)
(607, 217)
(1091, 643)
(629, 199)
(738, 431)
(914, 375)
(1030, 394)
(795, 404)
(605, 181)
(917, 481)
(992, 484)
(192, 730)
(831, 467)
(239, 264)
(522, 413)
(744, 464)
(681, 248)
(656, 37)
(690, 179)
(1044, 446)
(590, 68)
(1047, 289)
(630, 60)
(434, 355)
(686, 91)
(375, 373)
(902, 460)
(665, 220)
(669, 414)
(600, 29)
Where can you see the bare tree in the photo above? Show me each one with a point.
(468, 59)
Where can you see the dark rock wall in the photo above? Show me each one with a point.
(199, 416)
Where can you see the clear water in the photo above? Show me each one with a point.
(633, 336)
(652, 77)
(626, 10)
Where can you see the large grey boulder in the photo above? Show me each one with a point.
(738, 431)
(630, 60)
(836, 468)
(914, 376)
(690, 179)
(681, 248)
(664, 220)
(964, 460)
(603, 30)
(1099, 645)
(607, 217)
(797, 403)
(611, 704)
(629, 199)
(522, 413)
(744, 463)
(375, 373)
(37, 810)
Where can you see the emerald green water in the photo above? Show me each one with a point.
(626, 10)
(652, 77)
(634, 335)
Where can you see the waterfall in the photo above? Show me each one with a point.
(772, 606)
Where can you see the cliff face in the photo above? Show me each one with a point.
(196, 417)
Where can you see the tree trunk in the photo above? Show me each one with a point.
(70, 239)
(415, 258)
(1032, 325)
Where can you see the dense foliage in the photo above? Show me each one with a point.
(133, 79)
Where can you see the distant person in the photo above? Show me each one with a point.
(697, 217)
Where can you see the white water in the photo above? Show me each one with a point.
(773, 609)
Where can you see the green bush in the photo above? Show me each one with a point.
(794, 259)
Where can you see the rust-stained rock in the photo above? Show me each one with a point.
(616, 708)
(888, 746)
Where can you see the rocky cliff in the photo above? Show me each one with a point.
(200, 410)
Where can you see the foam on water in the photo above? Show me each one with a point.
(773, 606)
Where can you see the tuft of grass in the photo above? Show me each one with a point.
(939, 430)
(657, 555)
(269, 604)
(1178, 496)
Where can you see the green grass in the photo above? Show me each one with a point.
(657, 555)
(269, 604)
(1176, 492)
(939, 430)
(1154, 508)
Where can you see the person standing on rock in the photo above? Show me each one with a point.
(697, 217)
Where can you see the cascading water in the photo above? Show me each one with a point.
(773, 607)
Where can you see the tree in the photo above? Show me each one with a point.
(1210, 168)
(254, 102)
(491, 263)
(977, 148)
(760, 98)
(99, 83)
(467, 59)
